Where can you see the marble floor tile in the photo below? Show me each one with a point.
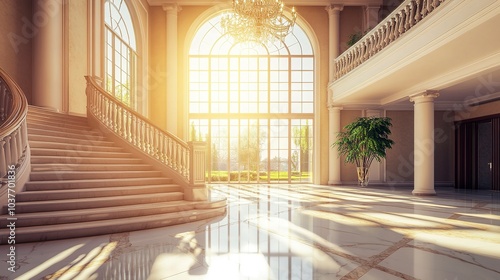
(292, 232)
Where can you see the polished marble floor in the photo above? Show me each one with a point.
(293, 232)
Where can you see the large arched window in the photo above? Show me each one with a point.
(253, 103)
(120, 50)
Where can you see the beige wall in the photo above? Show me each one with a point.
(16, 34)
(399, 159)
(351, 21)
(157, 66)
(77, 56)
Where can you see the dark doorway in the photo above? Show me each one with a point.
(478, 154)
(484, 152)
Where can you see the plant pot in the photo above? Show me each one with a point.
(362, 176)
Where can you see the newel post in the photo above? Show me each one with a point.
(197, 189)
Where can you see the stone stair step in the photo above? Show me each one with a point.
(74, 230)
(39, 111)
(92, 135)
(94, 202)
(89, 167)
(30, 196)
(55, 120)
(83, 175)
(82, 160)
(97, 183)
(63, 128)
(69, 146)
(79, 153)
(32, 120)
(63, 139)
(104, 213)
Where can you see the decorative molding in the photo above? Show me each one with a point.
(288, 2)
(483, 99)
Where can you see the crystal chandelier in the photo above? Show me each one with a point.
(258, 20)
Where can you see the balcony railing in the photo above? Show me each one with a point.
(405, 17)
(14, 148)
(185, 160)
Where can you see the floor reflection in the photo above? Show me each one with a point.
(294, 232)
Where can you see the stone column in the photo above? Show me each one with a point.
(48, 54)
(333, 36)
(424, 143)
(334, 128)
(172, 106)
(371, 16)
(96, 39)
(334, 161)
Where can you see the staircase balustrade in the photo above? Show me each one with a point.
(14, 149)
(187, 160)
(405, 17)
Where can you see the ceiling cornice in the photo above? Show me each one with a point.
(287, 2)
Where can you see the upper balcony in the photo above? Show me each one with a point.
(443, 45)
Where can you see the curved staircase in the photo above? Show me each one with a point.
(83, 184)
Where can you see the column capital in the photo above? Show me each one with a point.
(334, 9)
(426, 96)
(334, 108)
(172, 8)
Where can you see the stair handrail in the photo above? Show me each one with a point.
(402, 19)
(186, 159)
(13, 128)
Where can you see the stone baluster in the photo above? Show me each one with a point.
(162, 148)
(8, 154)
(155, 145)
(389, 32)
(3, 159)
(25, 135)
(402, 22)
(19, 144)
(418, 14)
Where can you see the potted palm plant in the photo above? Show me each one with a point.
(362, 141)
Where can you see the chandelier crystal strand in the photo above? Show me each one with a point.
(258, 20)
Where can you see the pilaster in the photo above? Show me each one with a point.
(334, 176)
(172, 57)
(48, 54)
(333, 36)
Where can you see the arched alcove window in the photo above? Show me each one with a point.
(120, 51)
(254, 104)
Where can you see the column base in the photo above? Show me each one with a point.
(423, 192)
(335, 183)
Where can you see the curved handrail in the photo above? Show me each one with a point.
(138, 130)
(402, 19)
(13, 129)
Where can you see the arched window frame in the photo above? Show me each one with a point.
(279, 49)
(121, 56)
